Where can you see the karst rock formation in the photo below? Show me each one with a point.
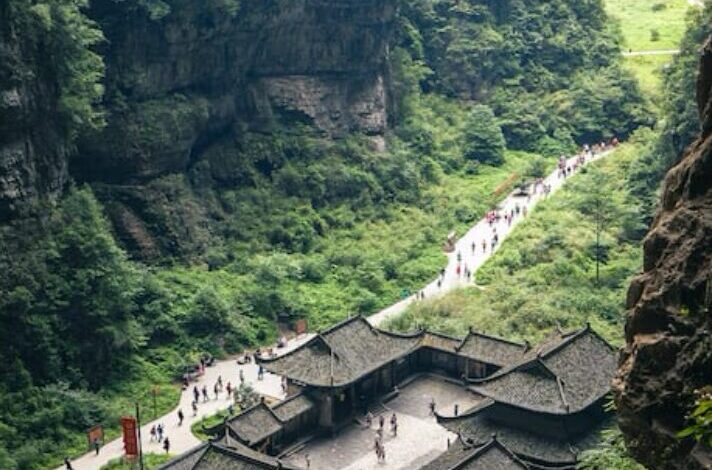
(668, 355)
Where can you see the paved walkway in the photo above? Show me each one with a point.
(182, 439)
(420, 438)
(651, 52)
(479, 232)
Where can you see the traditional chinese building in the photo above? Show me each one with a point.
(223, 456)
(543, 409)
(538, 406)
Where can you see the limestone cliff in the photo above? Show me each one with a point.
(182, 86)
(668, 355)
(33, 149)
(177, 84)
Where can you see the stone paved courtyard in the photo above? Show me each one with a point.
(420, 439)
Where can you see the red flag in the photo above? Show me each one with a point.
(128, 425)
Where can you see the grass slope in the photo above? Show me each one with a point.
(641, 19)
(544, 274)
(638, 19)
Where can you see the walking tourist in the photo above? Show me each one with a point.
(369, 419)
(381, 421)
(260, 372)
(152, 433)
(97, 445)
(166, 445)
(432, 407)
(242, 377)
(68, 464)
(180, 417)
(194, 405)
(216, 390)
(205, 393)
(196, 393)
(159, 432)
(307, 461)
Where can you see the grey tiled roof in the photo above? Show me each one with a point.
(342, 354)
(292, 407)
(440, 341)
(527, 445)
(489, 349)
(490, 456)
(224, 456)
(565, 374)
(255, 424)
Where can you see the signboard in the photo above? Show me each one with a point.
(93, 434)
(128, 426)
(300, 326)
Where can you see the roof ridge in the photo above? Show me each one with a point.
(566, 339)
(343, 322)
(202, 446)
(245, 452)
(479, 451)
(288, 399)
(474, 410)
(473, 332)
(560, 384)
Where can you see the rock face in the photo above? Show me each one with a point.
(178, 84)
(669, 346)
(181, 84)
(33, 152)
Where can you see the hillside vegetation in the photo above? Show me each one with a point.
(544, 275)
(306, 227)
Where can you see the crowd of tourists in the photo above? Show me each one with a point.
(378, 440)
(504, 218)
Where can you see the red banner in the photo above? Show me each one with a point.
(301, 326)
(128, 425)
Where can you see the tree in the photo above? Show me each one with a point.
(484, 141)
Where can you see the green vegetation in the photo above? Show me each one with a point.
(649, 71)
(610, 453)
(700, 418)
(207, 422)
(649, 24)
(291, 225)
(58, 33)
(149, 461)
(544, 274)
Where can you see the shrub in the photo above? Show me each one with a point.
(484, 141)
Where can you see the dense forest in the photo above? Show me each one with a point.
(183, 228)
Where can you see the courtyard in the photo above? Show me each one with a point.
(420, 438)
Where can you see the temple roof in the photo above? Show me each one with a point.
(292, 407)
(565, 374)
(255, 424)
(490, 349)
(490, 456)
(342, 354)
(223, 456)
(439, 341)
(476, 430)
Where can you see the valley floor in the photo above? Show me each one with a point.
(181, 437)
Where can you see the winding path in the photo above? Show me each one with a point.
(182, 439)
(651, 52)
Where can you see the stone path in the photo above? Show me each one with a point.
(480, 231)
(420, 438)
(651, 52)
(182, 439)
